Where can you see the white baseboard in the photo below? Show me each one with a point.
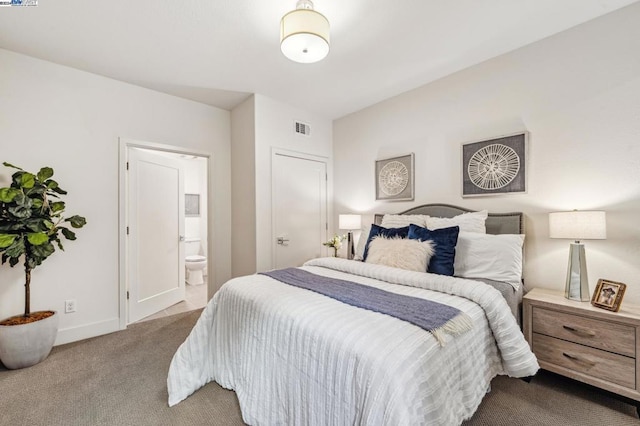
(73, 334)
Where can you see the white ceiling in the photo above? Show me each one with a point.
(219, 51)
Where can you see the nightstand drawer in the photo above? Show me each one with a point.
(598, 334)
(604, 365)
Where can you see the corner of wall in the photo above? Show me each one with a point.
(243, 189)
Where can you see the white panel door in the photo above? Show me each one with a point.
(299, 209)
(155, 246)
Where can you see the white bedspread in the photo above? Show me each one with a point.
(295, 357)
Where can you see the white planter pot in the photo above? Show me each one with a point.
(27, 344)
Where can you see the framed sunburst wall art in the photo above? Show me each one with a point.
(394, 178)
(495, 166)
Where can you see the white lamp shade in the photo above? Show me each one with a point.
(304, 36)
(578, 225)
(349, 221)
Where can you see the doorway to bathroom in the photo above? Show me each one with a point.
(165, 220)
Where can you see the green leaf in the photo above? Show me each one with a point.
(51, 184)
(12, 226)
(31, 262)
(45, 173)
(69, 235)
(23, 201)
(59, 190)
(20, 212)
(42, 251)
(25, 179)
(57, 206)
(13, 261)
(37, 203)
(22, 209)
(6, 240)
(36, 224)
(37, 238)
(11, 165)
(36, 192)
(7, 195)
(16, 249)
(76, 221)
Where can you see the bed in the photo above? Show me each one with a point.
(294, 356)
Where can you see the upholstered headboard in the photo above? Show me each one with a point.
(497, 223)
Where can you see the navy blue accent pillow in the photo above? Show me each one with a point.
(445, 241)
(386, 232)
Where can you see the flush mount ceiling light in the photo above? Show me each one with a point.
(304, 34)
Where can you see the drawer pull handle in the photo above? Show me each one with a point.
(577, 358)
(579, 331)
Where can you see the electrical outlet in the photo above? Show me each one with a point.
(69, 306)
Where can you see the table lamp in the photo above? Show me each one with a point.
(577, 225)
(350, 223)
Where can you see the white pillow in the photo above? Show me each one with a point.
(412, 255)
(495, 257)
(362, 242)
(402, 220)
(468, 222)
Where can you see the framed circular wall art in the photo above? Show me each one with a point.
(394, 178)
(495, 166)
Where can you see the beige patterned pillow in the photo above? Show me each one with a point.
(402, 220)
(412, 255)
(468, 222)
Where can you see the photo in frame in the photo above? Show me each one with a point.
(395, 178)
(192, 205)
(495, 166)
(608, 295)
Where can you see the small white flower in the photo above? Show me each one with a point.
(335, 242)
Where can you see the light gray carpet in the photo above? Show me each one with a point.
(120, 379)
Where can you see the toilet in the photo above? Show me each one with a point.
(194, 262)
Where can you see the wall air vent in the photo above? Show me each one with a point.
(301, 128)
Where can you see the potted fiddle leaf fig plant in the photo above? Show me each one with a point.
(31, 227)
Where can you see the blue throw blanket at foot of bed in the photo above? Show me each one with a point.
(434, 317)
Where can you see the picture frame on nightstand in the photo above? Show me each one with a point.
(608, 295)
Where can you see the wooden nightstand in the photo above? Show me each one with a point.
(585, 343)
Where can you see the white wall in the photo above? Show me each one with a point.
(577, 93)
(274, 126)
(260, 125)
(243, 185)
(71, 120)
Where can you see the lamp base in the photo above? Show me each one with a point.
(350, 248)
(577, 287)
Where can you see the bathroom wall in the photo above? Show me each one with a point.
(195, 182)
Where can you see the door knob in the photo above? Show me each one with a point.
(181, 237)
(282, 241)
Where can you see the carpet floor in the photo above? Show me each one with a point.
(120, 379)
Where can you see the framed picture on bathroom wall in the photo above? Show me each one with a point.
(192, 205)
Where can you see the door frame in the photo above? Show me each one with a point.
(123, 205)
(302, 156)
